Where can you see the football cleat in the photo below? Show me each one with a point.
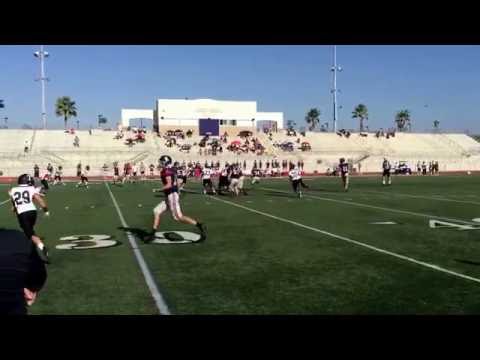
(203, 235)
(43, 254)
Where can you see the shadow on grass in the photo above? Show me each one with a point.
(468, 262)
(279, 194)
(141, 234)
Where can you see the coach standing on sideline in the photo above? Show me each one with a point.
(22, 273)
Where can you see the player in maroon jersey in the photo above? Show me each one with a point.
(168, 177)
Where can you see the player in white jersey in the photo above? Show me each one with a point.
(134, 172)
(23, 199)
(387, 167)
(235, 175)
(255, 176)
(207, 174)
(84, 178)
(58, 176)
(223, 181)
(181, 176)
(295, 176)
(143, 177)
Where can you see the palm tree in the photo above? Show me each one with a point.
(436, 123)
(402, 120)
(360, 112)
(65, 108)
(313, 118)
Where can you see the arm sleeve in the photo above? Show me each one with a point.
(36, 273)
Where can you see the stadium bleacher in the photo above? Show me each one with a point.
(454, 152)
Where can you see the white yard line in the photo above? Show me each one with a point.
(339, 237)
(424, 197)
(352, 203)
(4, 202)
(152, 286)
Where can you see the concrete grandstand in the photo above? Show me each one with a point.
(365, 152)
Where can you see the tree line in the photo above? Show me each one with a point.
(402, 119)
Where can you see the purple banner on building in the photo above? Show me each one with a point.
(209, 127)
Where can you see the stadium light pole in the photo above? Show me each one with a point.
(42, 55)
(335, 69)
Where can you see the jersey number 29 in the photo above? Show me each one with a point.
(22, 198)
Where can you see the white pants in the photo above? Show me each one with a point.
(240, 182)
(234, 185)
(172, 203)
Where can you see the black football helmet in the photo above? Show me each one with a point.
(25, 179)
(165, 160)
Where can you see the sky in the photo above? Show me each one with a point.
(433, 82)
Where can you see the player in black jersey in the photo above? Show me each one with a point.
(343, 170)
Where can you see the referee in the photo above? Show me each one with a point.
(22, 273)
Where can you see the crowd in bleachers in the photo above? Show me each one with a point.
(132, 135)
(380, 133)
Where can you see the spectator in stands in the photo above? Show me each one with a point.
(79, 169)
(26, 147)
(36, 171)
(50, 169)
(76, 141)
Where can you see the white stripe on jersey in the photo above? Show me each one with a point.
(22, 197)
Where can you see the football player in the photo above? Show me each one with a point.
(58, 176)
(207, 173)
(241, 181)
(84, 177)
(255, 176)
(152, 168)
(181, 177)
(172, 200)
(223, 180)
(45, 179)
(116, 172)
(296, 179)
(142, 172)
(387, 167)
(235, 175)
(23, 197)
(134, 172)
(343, 169)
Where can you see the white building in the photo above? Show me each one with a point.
(186, 112)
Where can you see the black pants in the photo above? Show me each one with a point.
(13, 308)
(45, 184)
(27, 222)
(222, 182)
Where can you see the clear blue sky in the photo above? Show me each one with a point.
(292, 79)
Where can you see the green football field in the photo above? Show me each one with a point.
(409, 248)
